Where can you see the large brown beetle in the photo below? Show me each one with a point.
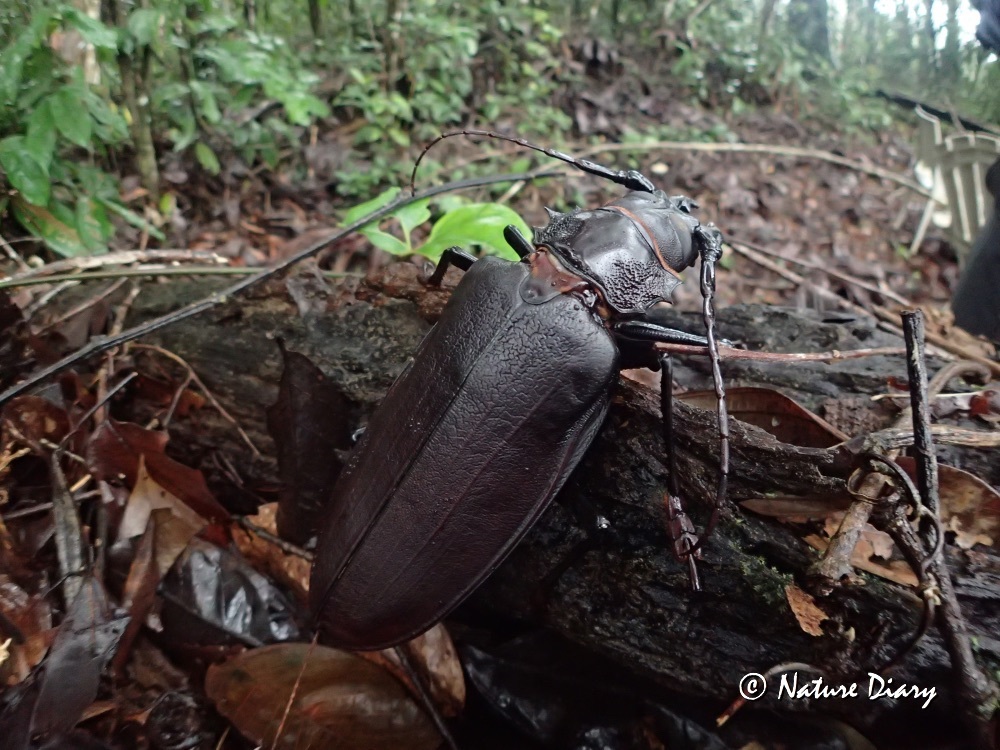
(500, 402)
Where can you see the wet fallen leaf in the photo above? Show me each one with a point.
(794, 509)
(177, 521)
(115, 448)
(163, 394)
(436, 660)
(773, 412)
(27, 621)
(805, 609)
(309, 424)
(58, 692)
(969, 506)
(319, 698)
(33, 419)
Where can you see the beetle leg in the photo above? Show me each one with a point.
(518, 241)
(681, 529)
(709, 241)
(452, 256)
(642, 330)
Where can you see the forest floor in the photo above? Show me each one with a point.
(816, 220)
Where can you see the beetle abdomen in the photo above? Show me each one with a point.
(461, 457)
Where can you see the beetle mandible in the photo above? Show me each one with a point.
(500, 402)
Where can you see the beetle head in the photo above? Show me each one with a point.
(631, 249)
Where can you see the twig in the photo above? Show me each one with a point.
(47, 297)
(139, 272)
(103, 343)
(86, 304)
(114, 259)
(117, 324)
(948, 345)
(11, 253)
(897, 437)
(728, 352)
(193, 376)
(836, 561)
(68, 531)
(846, 278)
(409, 666)
(879, 312)
(974, 691)
(285, 546)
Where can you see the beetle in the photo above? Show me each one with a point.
(500, 402)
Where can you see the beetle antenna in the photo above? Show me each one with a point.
(627, 178)
(710, 240)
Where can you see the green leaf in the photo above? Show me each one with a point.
(385, 241)
(368, 207)
(62, 238)
(450, 201)
(302, 107)
(132, 218)
(40, 140)
(24, 173)
(92, 225)
(143, 23)
(476, 223)
(71, 116)
(92, 30)
(207, 103)
(207, 158)
(399, 137)
(413, 215)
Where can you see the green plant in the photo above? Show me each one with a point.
(460, 224)
(55, 131)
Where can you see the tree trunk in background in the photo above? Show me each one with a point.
(315, 18)
(808, 23)
(766, 14)
(951, 55)
(928, 57)
(137, 102)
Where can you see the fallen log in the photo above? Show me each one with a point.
(624, 597)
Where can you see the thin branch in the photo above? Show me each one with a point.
(846, 278)
(974, 690)
(728, 353)
(115, 259)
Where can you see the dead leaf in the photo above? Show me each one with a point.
(309, 424)
(56, 694)
(33, 419)
(146, 497)
(436, 660)
(320, 698)
(773, 412)
(805, 609)
(792, 509)
(114, 450)
(969, 506)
